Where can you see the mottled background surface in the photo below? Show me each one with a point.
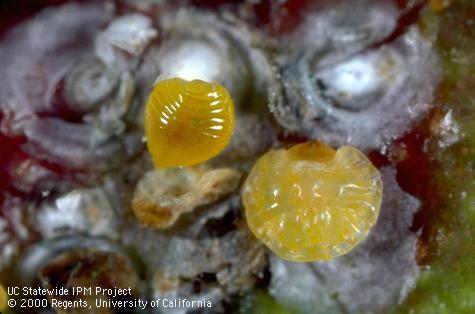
(392, 78)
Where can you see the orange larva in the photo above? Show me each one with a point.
(187, 122)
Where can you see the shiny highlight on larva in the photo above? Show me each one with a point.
(187, 122)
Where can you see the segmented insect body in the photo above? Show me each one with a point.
(311, 202)
(187, 122)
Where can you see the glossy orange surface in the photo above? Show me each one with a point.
(187, 122)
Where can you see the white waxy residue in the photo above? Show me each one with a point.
(88, 211)
(449, 131)
(130, 32)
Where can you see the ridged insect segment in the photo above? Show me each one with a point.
(187, 122)
(310, 202)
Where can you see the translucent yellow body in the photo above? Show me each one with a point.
(187, 122)
(3, 299)
(311, 202)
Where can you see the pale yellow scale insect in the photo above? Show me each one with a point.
(310, 202)
(187, 122)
